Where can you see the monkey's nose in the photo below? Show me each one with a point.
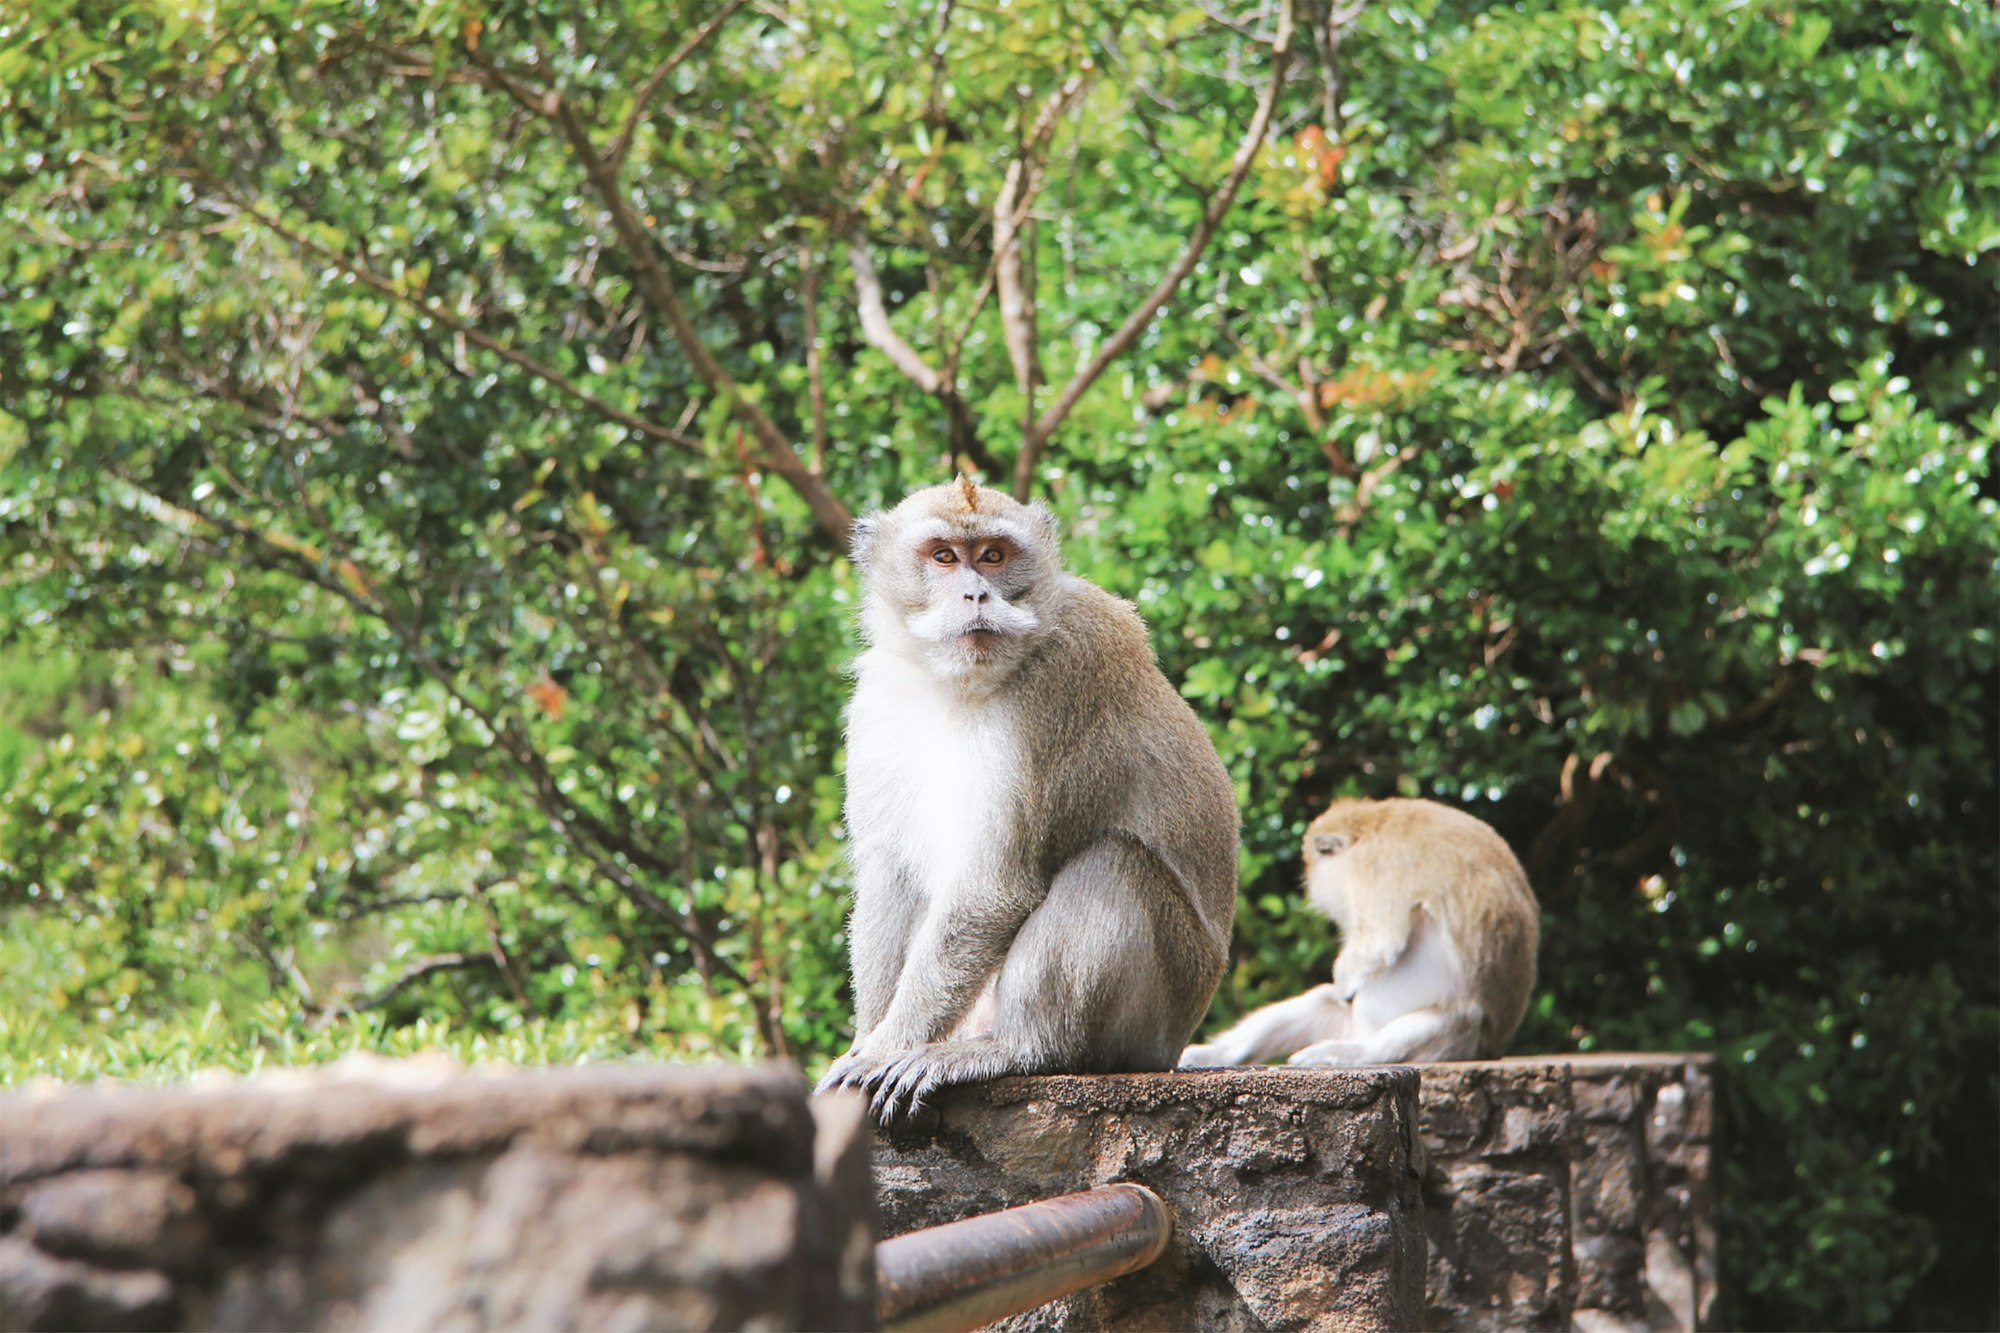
(977, 599)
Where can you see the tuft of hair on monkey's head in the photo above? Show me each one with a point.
(968, 492)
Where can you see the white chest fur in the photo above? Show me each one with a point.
(933, 778)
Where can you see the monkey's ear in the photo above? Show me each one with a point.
(861, 539)
(1330, 844)
(1046, 526)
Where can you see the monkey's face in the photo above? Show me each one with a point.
(954, 583)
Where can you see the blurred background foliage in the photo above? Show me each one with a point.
(426, 437)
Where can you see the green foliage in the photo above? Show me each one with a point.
(426, 434)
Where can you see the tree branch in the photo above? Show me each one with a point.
(1010, 210)
(621, 142)
(775, 450)
(414, 973)
(1211, 218)
(880, 333)
(436, 313)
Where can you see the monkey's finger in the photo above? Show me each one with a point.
(921, 1093)
(839, 1073)
(882, 1104)
(891, 1070)
(893, 1078)
(904, 1094)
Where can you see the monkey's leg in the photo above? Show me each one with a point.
(1449, 1033)
(1275, 1031)
(1112, 971)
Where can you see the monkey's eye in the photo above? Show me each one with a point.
(944, 555)
(992, 555)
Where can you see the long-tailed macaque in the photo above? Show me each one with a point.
(1043, 839)
(1438, 932)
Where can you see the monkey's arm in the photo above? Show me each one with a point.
(957, 946)
(1371, 942)
(887, 911)
(1275, 1031)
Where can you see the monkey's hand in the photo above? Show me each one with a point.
(899, 1083)
(914, 1075)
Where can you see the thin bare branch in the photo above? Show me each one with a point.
(955, 347)
(775, 451)
(1327, 36)
(876, 328)
(621, 143)
(420, 970)
(1301, 392)
(1211, 218)
(1010, 210)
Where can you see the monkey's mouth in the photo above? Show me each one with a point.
(980, 633)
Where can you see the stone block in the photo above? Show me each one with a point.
(420, 1194)
(1295, 1192)
(1570, 1192)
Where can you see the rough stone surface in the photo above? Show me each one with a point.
(421, 1195)
(1570, 1192)
(133, 1219)
(1295, 1192)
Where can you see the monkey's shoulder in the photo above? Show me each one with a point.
(1092, 629)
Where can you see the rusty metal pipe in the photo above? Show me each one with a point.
(965, 1275)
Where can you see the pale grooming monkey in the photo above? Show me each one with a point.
(1438, 932)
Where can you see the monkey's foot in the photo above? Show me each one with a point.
(1341, 1054)
(848, 1071)
(902, 1082)
(1211, 1056)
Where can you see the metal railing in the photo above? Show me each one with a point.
(964, 1275)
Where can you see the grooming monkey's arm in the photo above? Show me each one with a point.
(1372, 942)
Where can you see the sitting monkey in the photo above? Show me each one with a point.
(1438, 932)
(1042, 836)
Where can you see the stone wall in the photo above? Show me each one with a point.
(1538, 1192)
(1570, 1191)
(422, 1195)
(1295, 1193)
